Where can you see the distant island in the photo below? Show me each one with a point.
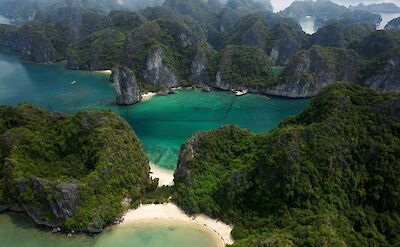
(378, 7)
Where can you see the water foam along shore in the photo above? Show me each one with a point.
(165, 177)
(169, 213)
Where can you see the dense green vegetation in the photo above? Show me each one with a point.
(99, 51)
(328, 177)
(244, 66)
(339, 34)
(70, 171)
(191, 42)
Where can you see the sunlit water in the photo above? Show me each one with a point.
(16, 230)
(163, 124)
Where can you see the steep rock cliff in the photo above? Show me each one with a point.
(126, 87)
(157, 71)
(383, 72)
(37, 42)
(311, 70)
(200, 68)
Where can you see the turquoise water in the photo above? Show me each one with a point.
(16, 230)
(163, 124)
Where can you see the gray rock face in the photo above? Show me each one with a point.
(157, 71)
(310, 71)
(62, 204)
(126, 87)
(31, 44)
(389, 79)
(220, 83)
(284, 49)
(37, 49)
(200, 67)
(186, 158)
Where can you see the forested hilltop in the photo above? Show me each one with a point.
(328, 177)
(79, 172)
(238, 44)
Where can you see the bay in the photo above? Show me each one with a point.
(162, 123)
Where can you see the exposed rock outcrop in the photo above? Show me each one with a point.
(310, 71)
(61, 199)
(200, 67)
(126, 87)
(289, 40)
(35, 42)
(388, 79)
(157, 71)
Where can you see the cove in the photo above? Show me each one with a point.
(18, 231)
(162, 123)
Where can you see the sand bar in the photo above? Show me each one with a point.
(170, 213)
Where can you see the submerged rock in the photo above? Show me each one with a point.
(126, 87)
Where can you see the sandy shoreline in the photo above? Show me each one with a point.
(169, 213)
(165, 177)
(106, 72)
(147, 96)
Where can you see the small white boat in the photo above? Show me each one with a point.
(73, 82)
(241, 92)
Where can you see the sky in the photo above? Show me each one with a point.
(282, 4)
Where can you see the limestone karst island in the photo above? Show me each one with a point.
(199, 123)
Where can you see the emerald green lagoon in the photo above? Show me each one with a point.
(162, 123)
(16, 230)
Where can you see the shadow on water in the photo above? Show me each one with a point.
(23, 221)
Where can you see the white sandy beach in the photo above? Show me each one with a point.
(170, 213)
(106, 72)
(165, 177)
(147, 96)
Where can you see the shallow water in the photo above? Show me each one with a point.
(162, 124)
(16, 230)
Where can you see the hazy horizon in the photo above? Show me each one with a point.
(281, 5)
